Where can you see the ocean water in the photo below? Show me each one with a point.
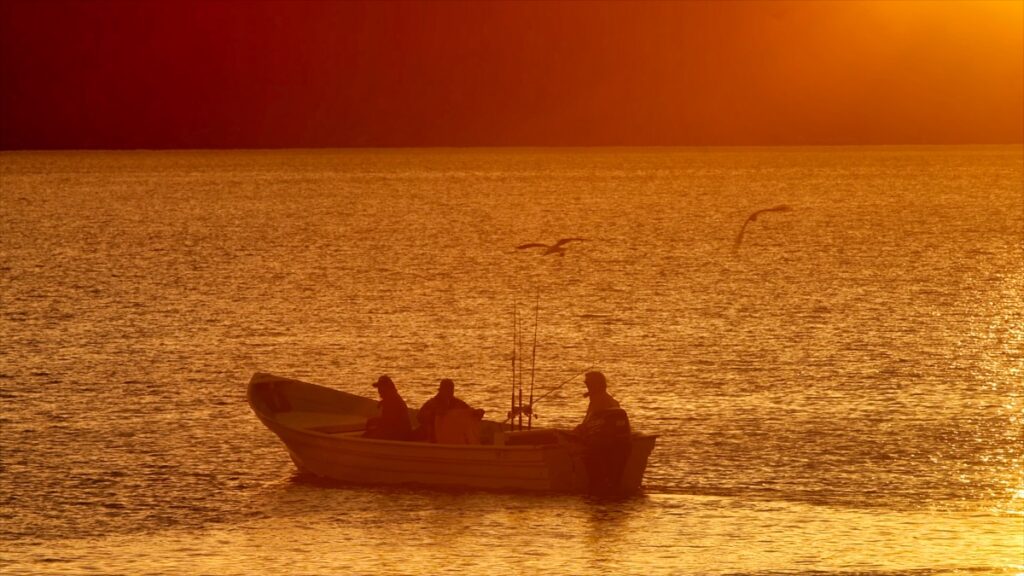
(841, 394)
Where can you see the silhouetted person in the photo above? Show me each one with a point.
(443, 404)
(606, 437)
(393, 422)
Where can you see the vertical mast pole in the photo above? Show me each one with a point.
(520, 376)
(533, 361)
(515, 327)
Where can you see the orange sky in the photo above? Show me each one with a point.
(105, 74)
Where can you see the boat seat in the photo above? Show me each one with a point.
(338, 428)
(531, 438)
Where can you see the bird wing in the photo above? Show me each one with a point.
(753, 217)
(567, 240)
(739, 237)
(531, 245)
(779, 208)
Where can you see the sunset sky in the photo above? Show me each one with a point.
(219, 74)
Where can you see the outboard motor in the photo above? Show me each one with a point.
(607, 445)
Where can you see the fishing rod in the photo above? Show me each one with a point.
(533, 362)
(512, 414)
(559, 387)
(520, 377)
(515, 328)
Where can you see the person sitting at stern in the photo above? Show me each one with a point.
(606, 437)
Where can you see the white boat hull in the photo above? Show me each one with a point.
(321, 429)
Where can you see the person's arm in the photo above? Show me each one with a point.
(586, 417)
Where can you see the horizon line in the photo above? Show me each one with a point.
(522, 147)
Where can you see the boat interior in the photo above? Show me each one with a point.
(312, 408)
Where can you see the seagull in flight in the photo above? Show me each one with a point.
(556, 248)
(752, 217)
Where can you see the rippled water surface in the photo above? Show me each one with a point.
(843, 393)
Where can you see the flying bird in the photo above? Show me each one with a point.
(752, 217)
(556, 248)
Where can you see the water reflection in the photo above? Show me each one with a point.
(610, 530)
(314, 530)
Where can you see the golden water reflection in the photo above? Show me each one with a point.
(368, 532)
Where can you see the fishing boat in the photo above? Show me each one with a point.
(322, 429)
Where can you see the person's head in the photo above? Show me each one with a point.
(595, 382)
(384, 384)
(446, 388)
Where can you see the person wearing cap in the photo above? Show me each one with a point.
(443, 404)
(393, 422)
(605, 433)
(600, 399)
